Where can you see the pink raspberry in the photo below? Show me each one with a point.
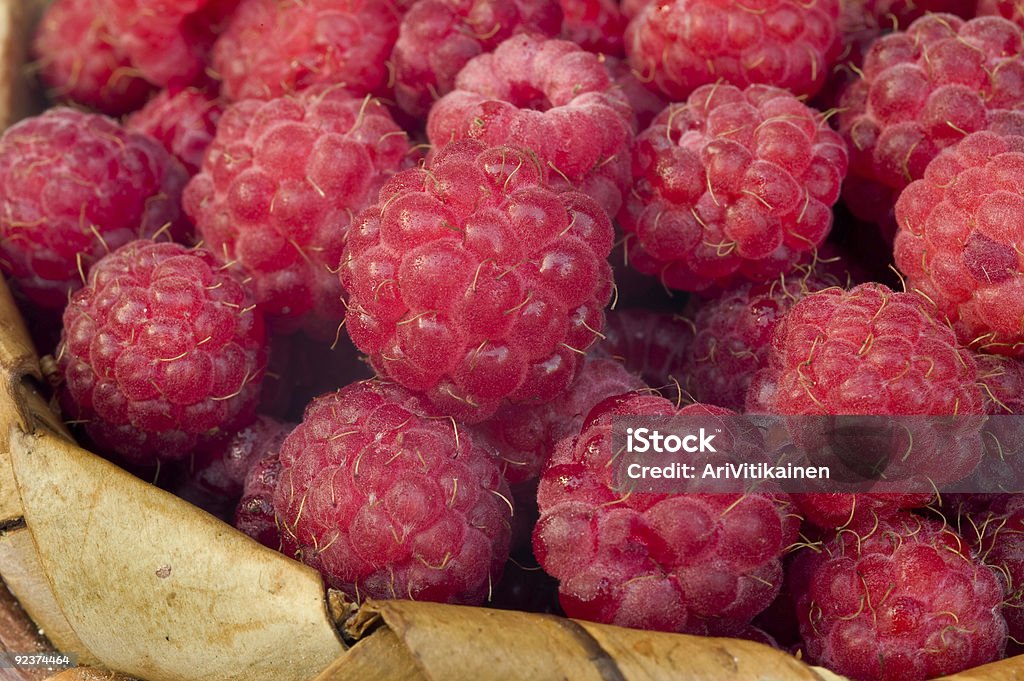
(549, 96)
(475, 282)
(732, 333)
(166, 40)
(74, 186)
(387, 500)
(925, 89)
(645, 103)
(273, 48)
(650, 344)
(184, 122)
(280, 183)
(998, 537)
(1002, 383)
(697, 563)
(900, 600)
(594, 25)
(872, 351)
(438, 37)
(957, 242)
(732, 184)
(525, 436)
(679, 45)
(162, 353)
(79, 60)
(1001, 8)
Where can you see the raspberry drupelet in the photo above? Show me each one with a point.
(679, 45)
(958, 241)
(438, 37)
(476, 283)
(281, 182)
(79, 60)
(162, 353)
(73, 187)
(902, 599)
(551, 97)
(922, 90)
(273, 48)
(692, 563)
(387, 499)
(731, 185)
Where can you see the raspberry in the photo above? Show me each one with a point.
(387, 500)
(697, 563)
(223, 470)
(279, 185)
(594, 25)
(162, 352)
(679, 45)
(438, 37)
(272, 48)
(166, 40)
(1002, 382)
(1001, 8)
(645, 103)
(551, 97)
(923, 90)
(74, 186)
(958, 235)
(999, 540)
(524, 437)
(900, 601)
(872, 351)
(79, 60)
(184, 122)
(630, 8)
(733, 333)
(732, 184)
(254, 514)
(475, 282)
(650, 344)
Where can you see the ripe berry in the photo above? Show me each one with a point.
(184, 122)
(79, 60)
(732, 184)
(388, 500)
(74, 186)
(595, 25)
(679, 45)
(650, 344)
(475, 282)
(696, 563)
(274, 48)
(549, 96)
(958, 239)
(900, 600)
(162, 353)
(280, 183)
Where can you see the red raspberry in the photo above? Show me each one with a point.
(594, 25)
(254, 514)
(184, 122)
(74, 186)
(679, 45)
(272, 48)
(645, 103)
(438, 37)
(998, 535)
(732, 334)
(697, 563)
(525, 436)
(387, 500)
(551, 97)
(1002, 382)
(900, 600)
(958, 240)
(476, 283)
(79, 60)
(651, 344)
(166, 40)
(1006, 9)
(162, 352)
(279, 185)
(924, 89)
(223, 470)
(630, 8)
(732, 184)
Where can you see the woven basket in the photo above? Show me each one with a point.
(130, 578)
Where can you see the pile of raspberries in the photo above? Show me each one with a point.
(372, 280)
